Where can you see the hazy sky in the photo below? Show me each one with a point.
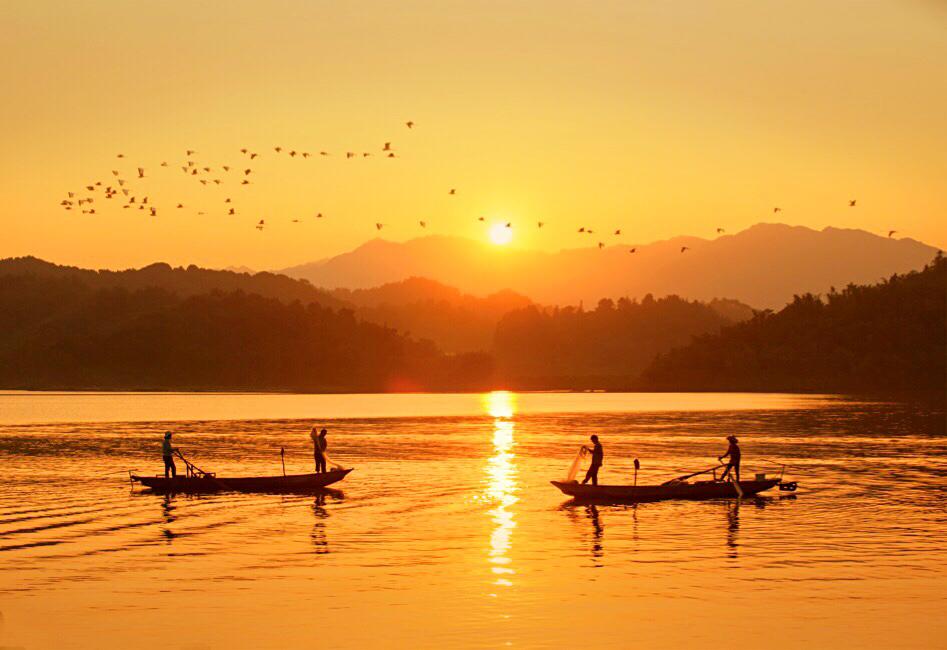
(661, 118)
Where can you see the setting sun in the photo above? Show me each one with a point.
(501, 234)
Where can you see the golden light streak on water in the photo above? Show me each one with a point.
(501, 487)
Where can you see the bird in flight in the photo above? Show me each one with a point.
(226, 168)
(164, 164)
(141, 172)
(453, 191)
(409, 124)
(387, 147)
(246, 172)
(295, 220)
(349, 154)
(318, 215)
(292, 153)
(719, 231)
(379, 226)
(259, 226)
(391, 155)
(423, 224)
(231, 212)
(277, 149)
(632, 250)
(509, 224)
(121, 155)
(851, 203)
(323, 153)
(618, 232)
(243, 151)
(191, 152)
(253, 155)
(891, 232)
(582, 229)
(306, 154)
(481, 219)
(775, 210)
(540, 224)
(601, 245)
(684, 248)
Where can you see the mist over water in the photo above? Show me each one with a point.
(448, 533)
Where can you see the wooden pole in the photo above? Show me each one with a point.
(282, 457)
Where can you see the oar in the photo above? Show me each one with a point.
(637, 467)
(686, 476)
(282, 457)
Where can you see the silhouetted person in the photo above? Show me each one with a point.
(733, 451)
(167, 451)
(598, 454)
(319, 445)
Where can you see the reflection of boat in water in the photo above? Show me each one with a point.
(207, 482)
(670, 490)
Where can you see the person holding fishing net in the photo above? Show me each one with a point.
(319, 446)
(598, 455)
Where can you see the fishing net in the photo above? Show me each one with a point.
(574, 467)
(329, 462)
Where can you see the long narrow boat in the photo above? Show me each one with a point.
(211, 483)
(670, 490)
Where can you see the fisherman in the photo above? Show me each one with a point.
(319, 445)
(167, 451)
(598, 454)
(733, 451)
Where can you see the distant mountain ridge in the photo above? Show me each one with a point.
(422, 308)
(190, 281)
(764, 266)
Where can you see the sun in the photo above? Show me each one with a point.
(501, 234)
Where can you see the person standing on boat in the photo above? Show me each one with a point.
(319, 446)
(167, 451)
(598, 455)
(733, 452)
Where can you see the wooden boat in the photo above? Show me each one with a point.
(669, 490)
(207, 482)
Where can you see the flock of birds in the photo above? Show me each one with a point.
(120, 190)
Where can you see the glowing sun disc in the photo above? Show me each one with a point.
(500, 234)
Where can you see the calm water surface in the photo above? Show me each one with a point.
(448, 534)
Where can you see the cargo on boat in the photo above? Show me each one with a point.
(207, 482)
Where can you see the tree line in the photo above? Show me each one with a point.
(890, 336)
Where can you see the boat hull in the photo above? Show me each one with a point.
(629, 493)
(293, 483)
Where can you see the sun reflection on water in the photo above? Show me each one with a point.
(501, 486)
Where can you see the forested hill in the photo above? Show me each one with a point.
(59, 333)
(890, 336)
(189, 281)
(606, 347)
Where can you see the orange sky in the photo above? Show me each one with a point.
(661, 118)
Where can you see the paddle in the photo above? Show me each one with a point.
(282, 457)
(687, 476)
(637, 467)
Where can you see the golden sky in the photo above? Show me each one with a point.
(661, 118)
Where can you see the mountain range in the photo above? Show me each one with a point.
(764, 266)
